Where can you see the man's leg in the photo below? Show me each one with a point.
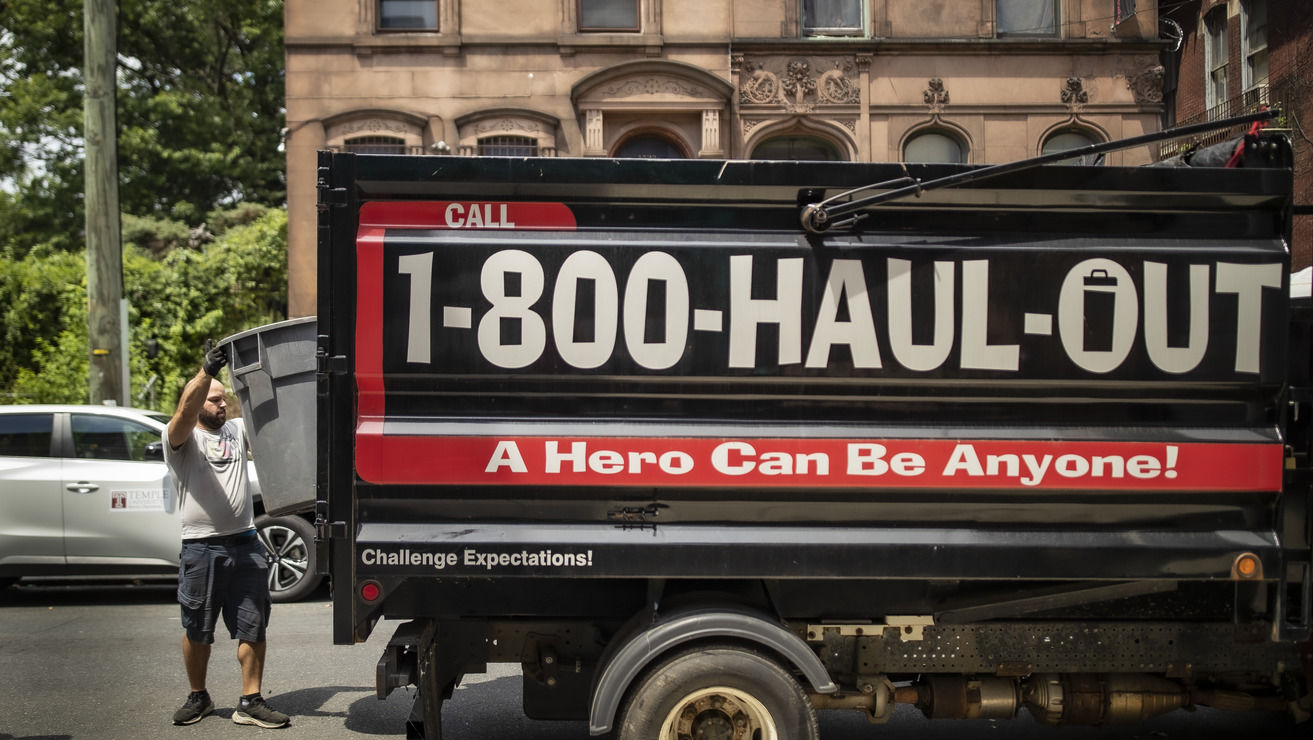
(196, 658)
(250, 655)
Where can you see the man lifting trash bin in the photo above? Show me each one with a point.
(223, 568)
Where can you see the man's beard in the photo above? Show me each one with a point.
(212, 421)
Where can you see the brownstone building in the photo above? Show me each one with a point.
(977, 81)
(1233, 56)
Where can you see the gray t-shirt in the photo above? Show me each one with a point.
(209, 470)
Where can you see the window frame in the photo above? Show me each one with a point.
(521, 142)
(964, 149)
(636, 28)
(376, 144)
(1215, 73)
(794, 137)
(1123, 10)
(1247, 52)
(863, 15)
(380, 28)
(1090, 138)
(1056, 5)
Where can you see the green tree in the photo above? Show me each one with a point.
(199, 112)
(233, 281)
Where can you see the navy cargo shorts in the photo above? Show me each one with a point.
(224, 575)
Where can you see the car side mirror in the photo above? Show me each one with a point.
(154, 451)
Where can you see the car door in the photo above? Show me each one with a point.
(120, 509)
(31, 515)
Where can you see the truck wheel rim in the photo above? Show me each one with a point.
(719, 713)
(288, 559)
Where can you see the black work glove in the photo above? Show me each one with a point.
(215, 359)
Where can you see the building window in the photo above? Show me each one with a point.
(1215, 57)
(832, 17)
(1125, 10)
(608, 15)
(810, 148)
(649, 146)
(1026, 17)
(1253, 41)
(1062, 141)
(508, 146)
(934, 146)
(408, 15)
(375, 145)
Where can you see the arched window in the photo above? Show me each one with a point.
(934, 146)
(508, 146)
(649, 146)
(798, 147)
(506, 132)
(1061, 141)
(375, 145)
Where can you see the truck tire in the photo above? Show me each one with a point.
(291, 544)
(717, 692)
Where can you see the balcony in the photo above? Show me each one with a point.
(1250, 101)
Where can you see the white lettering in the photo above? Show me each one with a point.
(1247, 283)
(1175, 359)
(963, 460)
(455, 215)
(977, 352)
(585, 265)
(653, 268)
(746, 313)
(516, 306)
(847, 281)
(420, 269)
(506, 455)
(576, 457)
(606, 462)
(920, 357)
(730, 458)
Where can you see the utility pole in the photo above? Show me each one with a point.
(106, 317)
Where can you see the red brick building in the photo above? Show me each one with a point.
(1235, 55)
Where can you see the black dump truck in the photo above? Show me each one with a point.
(707, 446)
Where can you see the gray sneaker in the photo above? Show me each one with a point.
(251, 710)
(194, 710)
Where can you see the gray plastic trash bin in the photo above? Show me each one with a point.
(273, 372)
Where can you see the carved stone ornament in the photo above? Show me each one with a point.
(508, 126)
(1147, 85)
(835, 87)
(751, 123)
(653, 86)
(370, 125)
(795, 85)
(761, 87)
(798, 81)
(936, 95)
(1073, 94)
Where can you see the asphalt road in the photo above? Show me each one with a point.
(97, 662)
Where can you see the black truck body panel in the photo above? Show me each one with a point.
(559, 391)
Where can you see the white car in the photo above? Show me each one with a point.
(84, 491)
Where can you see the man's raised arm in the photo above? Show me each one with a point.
(193, 396)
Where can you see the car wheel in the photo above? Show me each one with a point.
(291, 544)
